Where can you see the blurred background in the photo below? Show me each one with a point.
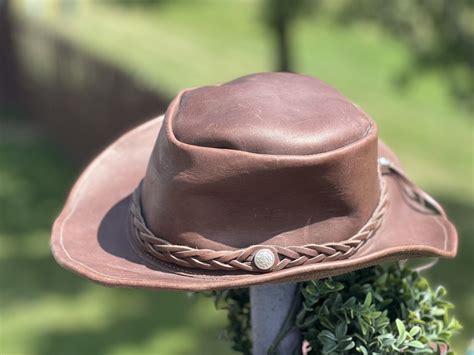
(76, 74)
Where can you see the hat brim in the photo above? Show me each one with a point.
(91, 236)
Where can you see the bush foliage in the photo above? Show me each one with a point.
(384, 309)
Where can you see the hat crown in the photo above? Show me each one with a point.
(275, 159)
(269, 113)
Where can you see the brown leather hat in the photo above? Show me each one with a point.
(271, 177)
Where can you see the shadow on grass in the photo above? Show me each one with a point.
(34, 181)
(157, 313)
(31, 277)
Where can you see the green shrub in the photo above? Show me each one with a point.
(384, 309)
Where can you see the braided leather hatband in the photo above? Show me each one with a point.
(257, 258)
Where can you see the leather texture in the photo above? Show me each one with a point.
(269, 159)
(220, 196)
(269, 113)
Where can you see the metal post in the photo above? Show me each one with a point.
(270, 305)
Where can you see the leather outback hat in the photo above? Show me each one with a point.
(272, 177)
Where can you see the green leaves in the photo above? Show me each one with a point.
(380, 310)
(385, 309)
(237, 304)
(401, 330)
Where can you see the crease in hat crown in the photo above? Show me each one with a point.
(268, 159)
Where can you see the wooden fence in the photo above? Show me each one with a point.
(82, 101)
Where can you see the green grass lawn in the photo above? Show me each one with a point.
(45, 310)
(184, 44)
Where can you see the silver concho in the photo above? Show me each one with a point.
(264, 259)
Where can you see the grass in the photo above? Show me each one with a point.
(184, 44)
(45, 310)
